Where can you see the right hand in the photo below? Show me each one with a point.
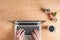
(36, 35)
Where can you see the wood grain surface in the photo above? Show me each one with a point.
(28, 10)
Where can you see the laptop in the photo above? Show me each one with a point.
(28, 26)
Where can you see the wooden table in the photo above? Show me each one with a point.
(28, 10)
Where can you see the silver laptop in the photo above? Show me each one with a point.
(28, 26)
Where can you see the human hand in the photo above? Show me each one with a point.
(36, 35)
(20, 34)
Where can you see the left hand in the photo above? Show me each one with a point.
(20, 34)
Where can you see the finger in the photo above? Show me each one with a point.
(23, 33)
(36, 33)
(35, 36)
(18, 31)
(30, 38)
